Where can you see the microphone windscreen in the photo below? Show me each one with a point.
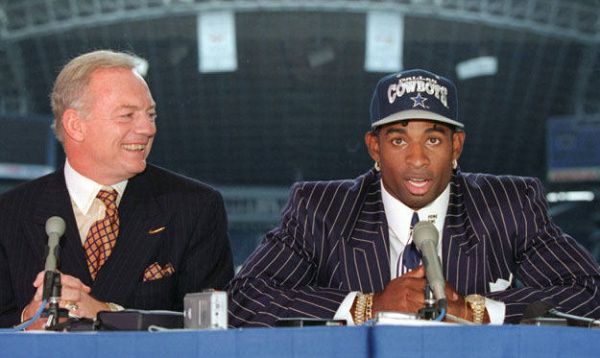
(55, 225)
(536, 309)
(424, 232)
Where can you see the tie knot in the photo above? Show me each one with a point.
(108, 197)
(414, 220)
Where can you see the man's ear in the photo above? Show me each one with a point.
(72, 125)
(458, 141)
(372, 143)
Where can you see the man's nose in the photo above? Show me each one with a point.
(146, 125)
(417, 157)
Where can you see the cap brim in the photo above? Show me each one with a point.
(416, 114)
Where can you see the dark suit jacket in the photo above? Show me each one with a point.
(194, 241)
(333, 239)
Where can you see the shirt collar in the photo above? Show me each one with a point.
(399, 215)
(83, 190)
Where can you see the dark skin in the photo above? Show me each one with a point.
(415, 157)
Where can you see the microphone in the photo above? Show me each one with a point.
(580, 321)
(536, 309)
(55, 228)
(425, 237)
(540, 308)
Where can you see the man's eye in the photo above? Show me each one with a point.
(434, 140)
(397, 141)
(127, 115)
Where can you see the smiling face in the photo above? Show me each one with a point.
(109, 139)
(415, 158)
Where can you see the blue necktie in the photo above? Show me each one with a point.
(411, 257)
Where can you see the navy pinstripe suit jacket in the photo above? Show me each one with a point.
(194, 241)
(333, 239)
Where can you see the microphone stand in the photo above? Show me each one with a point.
(429, 311)
(53, 312)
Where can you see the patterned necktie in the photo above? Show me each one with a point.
(102, 236)
(411, 257)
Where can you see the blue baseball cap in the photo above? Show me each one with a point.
(414, 94)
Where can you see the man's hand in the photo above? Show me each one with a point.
(407, 294)
(75, 297)
(456, 304)
(458, 307)
(402, 294)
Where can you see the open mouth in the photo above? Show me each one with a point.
(134, 147)
(418, 186)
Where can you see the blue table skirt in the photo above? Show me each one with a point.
(378, 341)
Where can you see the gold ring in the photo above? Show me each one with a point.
(71, 306)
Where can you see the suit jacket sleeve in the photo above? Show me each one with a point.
(9, 313)
(551, 266)
(16, 287)
(279, 279)
(208, 261)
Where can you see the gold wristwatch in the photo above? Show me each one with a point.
(477, 305)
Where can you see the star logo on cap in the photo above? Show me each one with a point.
(419, 101)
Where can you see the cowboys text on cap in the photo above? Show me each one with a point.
(419, 84)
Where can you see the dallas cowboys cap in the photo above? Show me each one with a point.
(414, 94)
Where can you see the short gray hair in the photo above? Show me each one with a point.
(71, 83)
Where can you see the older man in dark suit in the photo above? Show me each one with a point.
(344, 249)
(137, 236)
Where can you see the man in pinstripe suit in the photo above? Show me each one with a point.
(343, 247)
(172, 231)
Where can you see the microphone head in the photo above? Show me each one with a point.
(536, 309)
(424, 232)
(55, 225)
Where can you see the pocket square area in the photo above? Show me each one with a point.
(501, 284)
(156, 272)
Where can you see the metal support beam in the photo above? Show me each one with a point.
(13, 94)
(585, 104)
(562, 19)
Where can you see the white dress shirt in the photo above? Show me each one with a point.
(399, 216)
(83, 191)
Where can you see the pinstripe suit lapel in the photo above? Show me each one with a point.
(457, 226)
(463, 253)
(56, 202)
(366, 255)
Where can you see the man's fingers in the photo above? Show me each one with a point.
(39, 279)
(74, 283)
(73, 294)
(71, 287)
(451, 293)
(419, 272)
(38, 294)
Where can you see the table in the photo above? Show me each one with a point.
(364, 341)
(484, 341)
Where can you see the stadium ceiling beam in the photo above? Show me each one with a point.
(586, 102)
(13, 93)
(22, 19)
